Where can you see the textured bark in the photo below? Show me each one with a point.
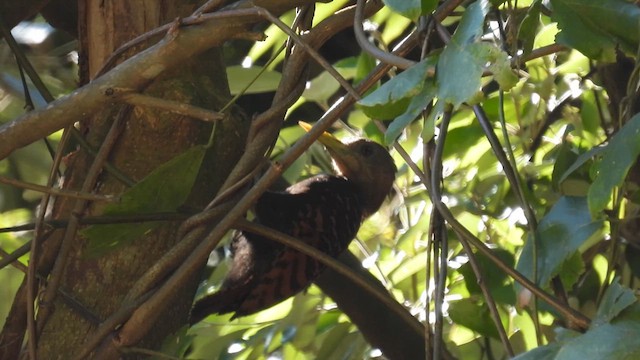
(149, 139)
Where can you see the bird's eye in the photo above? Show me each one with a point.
(366, 150)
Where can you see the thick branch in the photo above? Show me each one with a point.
(180, 44)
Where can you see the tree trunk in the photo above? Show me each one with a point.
(148, 139)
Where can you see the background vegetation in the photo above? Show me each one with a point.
(512, 230)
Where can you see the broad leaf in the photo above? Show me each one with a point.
(617, 158)
(597, 28)
(614, 301)
(460, 66)
(163, 190)
(416, 106)
(605, 340)
(529, 26)
(392, 98)
(474, 316)
(252, 80)
(407, 8)
(559, 235)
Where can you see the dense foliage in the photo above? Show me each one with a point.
(515, 128)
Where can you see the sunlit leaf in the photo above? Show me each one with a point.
(393, 97)
(461, 64)
(416, 106)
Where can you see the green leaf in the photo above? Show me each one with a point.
(580, 160)
(407, 8)
(529, 27)
(392, 98)
(572, 269)
(416, 106)
(560, 234)
(614, 301)
(597, 28)
(610, 340)
(546, 352)
(474, 316)
(257, 79)
(429, 129)
(428, 6)
(493, 277)
(617, 158)
(461, 63)
(500, 66)
(163, 190)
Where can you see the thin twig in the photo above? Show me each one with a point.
(57, 191)
(465, 235)
(70, 232)
(332, 263)
(537, 53)
(209, 6)
(139, 320)
(310, 50)
(436, 196)
(364, 43)
(176, 107)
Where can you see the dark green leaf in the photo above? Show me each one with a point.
(494, 278)
(614, 301)
(597, 28)
(529, 27)
(617, 158)
(559, 235)
(163, 190)
(580, 160)
(565, 157)
(474, 316)
(428, 6)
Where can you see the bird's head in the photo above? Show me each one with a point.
(364, 162)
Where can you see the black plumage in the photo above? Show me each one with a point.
(324, 211)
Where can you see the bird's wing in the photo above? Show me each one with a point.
(325, 217)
